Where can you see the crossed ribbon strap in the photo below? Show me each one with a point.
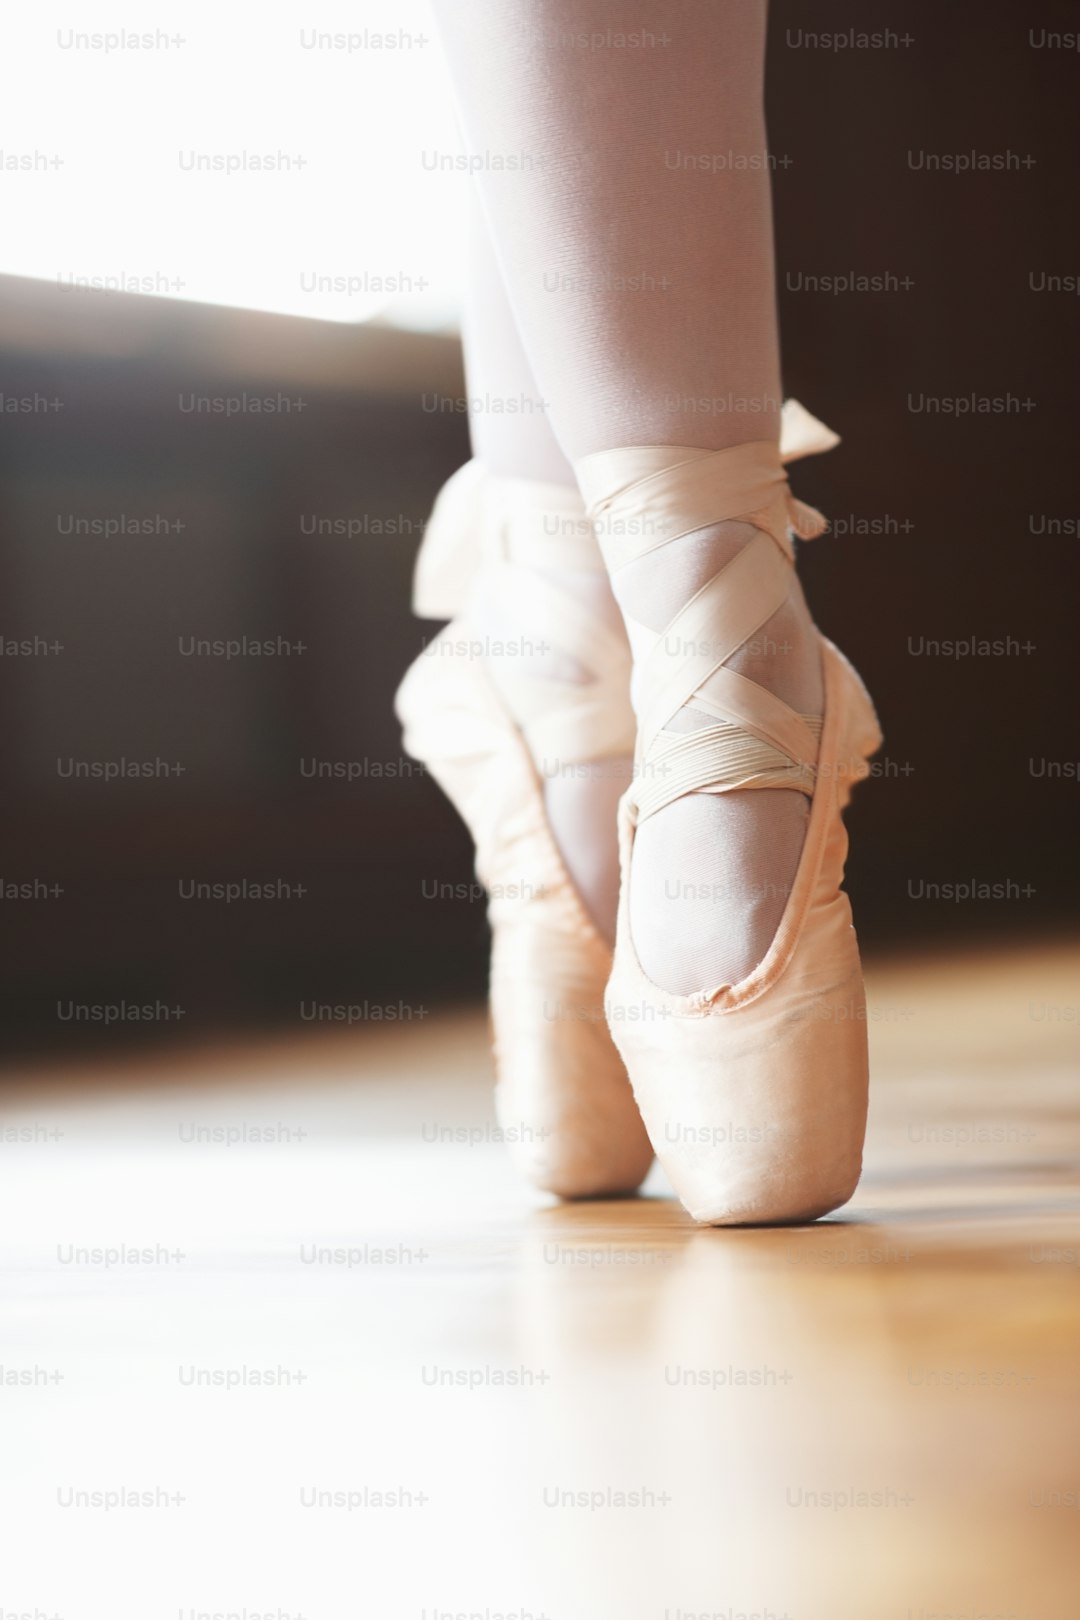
(642, 498)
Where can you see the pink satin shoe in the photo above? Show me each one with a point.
(754, 1094)
(562, 1096)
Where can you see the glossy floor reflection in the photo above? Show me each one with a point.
(353, 1369)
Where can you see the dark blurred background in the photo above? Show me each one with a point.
(947, 527)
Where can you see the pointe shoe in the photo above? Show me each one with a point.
(562, 1096)
(754, 1094)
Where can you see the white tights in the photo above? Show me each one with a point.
(622, 170)
(580, 797)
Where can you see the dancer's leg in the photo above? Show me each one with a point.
(509, 425)
(511, 435)
(626, 184)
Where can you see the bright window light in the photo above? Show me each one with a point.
(270, 157)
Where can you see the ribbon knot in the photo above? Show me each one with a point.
(801, 434)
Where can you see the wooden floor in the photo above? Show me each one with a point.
(481, 1406)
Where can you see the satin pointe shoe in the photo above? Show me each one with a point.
(563, 1100)
(754, 1094)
